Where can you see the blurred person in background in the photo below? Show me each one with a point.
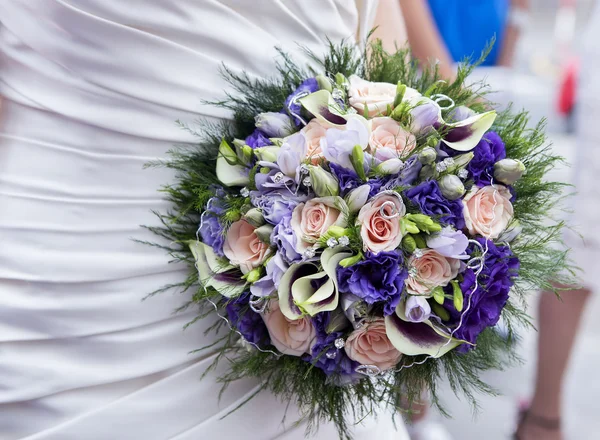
(542, 419)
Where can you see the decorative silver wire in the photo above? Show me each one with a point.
(258, 304)
(295, 100)
(439, 97)
(395, 211)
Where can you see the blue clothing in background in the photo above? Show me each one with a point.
(467, 26)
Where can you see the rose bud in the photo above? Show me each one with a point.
(323, 183)
(274, 124)
(452, 187)
(508, 171)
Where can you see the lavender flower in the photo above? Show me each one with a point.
(212, 233)
(338, 144)
(485, 303)
(258, 139)
(276, 125)
(249, 323)
(284, 238)
(275, 204)
(428, 197)
(487, 152)
(379, 278)
(291, 154)
(348, 180)
(324, 344)
(449, 243)
(268, 284)
(292, 105)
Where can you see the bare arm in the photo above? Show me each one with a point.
(511, 35)
(423, 36)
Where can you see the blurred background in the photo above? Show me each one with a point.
(547, 53)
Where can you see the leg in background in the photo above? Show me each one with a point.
(558, 324)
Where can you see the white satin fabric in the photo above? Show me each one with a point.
(91, 91)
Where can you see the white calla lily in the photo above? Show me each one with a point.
(230, 174)
(324, 108)
(213, 271)
(304, 289)
(414, 339)
(465, 135)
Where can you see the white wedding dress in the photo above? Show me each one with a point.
(91, 90)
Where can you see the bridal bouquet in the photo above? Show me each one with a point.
(360, 228)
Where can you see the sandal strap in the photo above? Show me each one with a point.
(543, 422)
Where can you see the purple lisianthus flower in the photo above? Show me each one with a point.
(348, 180)
(324, 344)
(487, 152)
(428, 197)
(449, 243)
(284, 238)
(338, 144)
(258, 139)
(275, 179)
(291, 154)
(212, 232)
(379, 278)
(291, 102)
(276, 204)
(249, 323)
(275, 125)
(483, 305)
(407, 176)
(268, 284)
(425, 116)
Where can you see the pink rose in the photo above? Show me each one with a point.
(389, 140)
(293, 337)
(375, 95)
(243, 248)
(379, 222)
(311, 220)
(430, 270)
(488, 210)
(314, 131)
(370, 345)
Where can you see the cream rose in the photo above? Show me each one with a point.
(389, 140)
(314, 131)
(379, 222)
(488, 210)
(243, 248)
(370, 345)
(375, 95)
(430, 270)
(292, 337)
(311, 220)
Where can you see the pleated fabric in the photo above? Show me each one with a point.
(91, 90)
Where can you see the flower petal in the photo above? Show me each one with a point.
(322, 105)
(414, 339)
(212, 271)
(465, 135)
